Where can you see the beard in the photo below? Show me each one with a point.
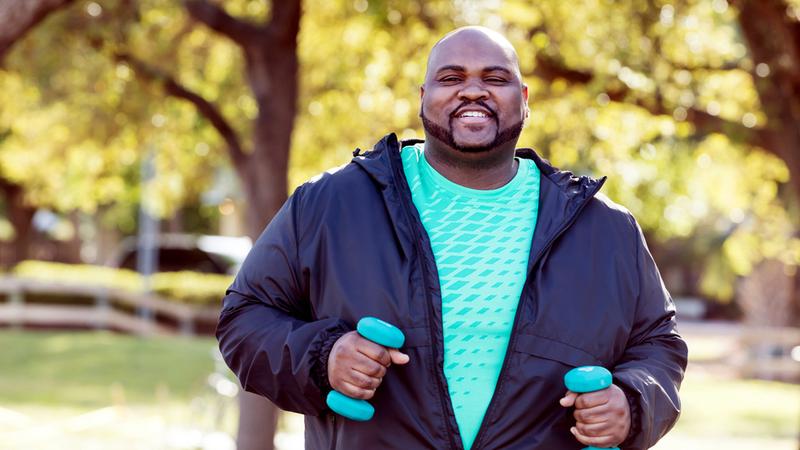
(445, 135)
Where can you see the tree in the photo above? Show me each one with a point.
(771, 29)
(699, 130)
(141, 37)
(77, 125)
(271, 66)
(271, 58)
(19, 17)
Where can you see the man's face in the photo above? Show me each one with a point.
(473, 100)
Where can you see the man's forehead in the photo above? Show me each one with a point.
(473, 47)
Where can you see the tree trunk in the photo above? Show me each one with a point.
(272, 73)
(765, 295)
(175, 223)
(271, 66)
(774, 39)
(71, 249)
(258, 421)
(20, 214)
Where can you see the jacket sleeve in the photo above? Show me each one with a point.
(653, 364)
(266, 332)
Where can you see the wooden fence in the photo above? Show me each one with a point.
(749, 351)
(129, 312)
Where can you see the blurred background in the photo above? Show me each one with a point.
(145, 144)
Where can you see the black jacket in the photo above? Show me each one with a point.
(350, 243)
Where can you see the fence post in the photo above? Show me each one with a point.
(103, 306)
(187, 326)
(16, 300)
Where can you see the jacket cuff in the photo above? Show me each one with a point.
(319, 369)
(636, 416)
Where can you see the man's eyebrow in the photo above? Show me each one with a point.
(497, 69)
(451, 67)
(456, 68)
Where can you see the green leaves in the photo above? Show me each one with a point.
(660, 96)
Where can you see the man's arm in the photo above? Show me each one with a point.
(266, 331)
(652, 367)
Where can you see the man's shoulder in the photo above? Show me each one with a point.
(367, 169)
(334, 182)
(610, 206)
(345, 186)
(602, 207)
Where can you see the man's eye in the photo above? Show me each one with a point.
(496, 80)
(449, 79)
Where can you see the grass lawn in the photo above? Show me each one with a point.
(96, 369)
(712, 406)
(99, 390)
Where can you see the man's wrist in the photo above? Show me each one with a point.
(319, 371)
(635, 415)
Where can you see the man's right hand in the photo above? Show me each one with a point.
(356, 365)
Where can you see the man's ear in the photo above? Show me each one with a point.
(421, 95)
(525, 99)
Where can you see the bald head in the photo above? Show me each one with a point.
(473, 100)
(450, 48)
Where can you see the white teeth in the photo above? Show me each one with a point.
(474, 114)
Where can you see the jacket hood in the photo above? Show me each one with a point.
(382, 162)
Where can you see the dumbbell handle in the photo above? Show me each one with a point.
(381, 333)
(588, 379)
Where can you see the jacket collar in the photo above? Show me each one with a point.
(562, 195)
(384, 156)
(382, 162)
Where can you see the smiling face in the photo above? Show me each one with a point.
(473, 99)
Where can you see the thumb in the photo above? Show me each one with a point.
(569, 399)
(397, 356)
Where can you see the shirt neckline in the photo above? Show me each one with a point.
(455, 188)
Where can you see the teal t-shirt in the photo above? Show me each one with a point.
(481, 241)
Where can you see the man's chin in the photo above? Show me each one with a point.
(472, 146)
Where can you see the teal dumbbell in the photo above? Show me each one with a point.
(588, 379)
(381, 333)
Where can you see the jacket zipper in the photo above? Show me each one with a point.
(514, 332)
(424, 267)
(335, 431)
(434, 347)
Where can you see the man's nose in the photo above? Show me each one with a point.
(473, 90)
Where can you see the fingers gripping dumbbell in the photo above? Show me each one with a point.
(588, 379)
(381, 333)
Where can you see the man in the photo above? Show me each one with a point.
(502, 272)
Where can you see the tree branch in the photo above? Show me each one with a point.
(549, 69)
(730, 65)
(206, 108)
(19, 17)
(214, 17)
(285, 22)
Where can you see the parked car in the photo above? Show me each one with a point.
(198, 253)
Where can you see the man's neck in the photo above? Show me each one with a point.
(486, 170)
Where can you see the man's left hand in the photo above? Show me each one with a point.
(603, 418)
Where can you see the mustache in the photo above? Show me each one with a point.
(471, 103)
(445, 135)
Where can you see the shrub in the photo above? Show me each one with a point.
(194, 288)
